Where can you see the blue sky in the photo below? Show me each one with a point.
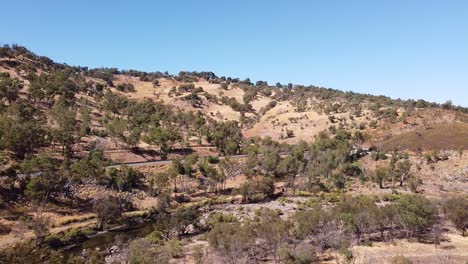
(400, 48)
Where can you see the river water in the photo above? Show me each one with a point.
(107, 239)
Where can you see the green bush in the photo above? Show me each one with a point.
(213, 159)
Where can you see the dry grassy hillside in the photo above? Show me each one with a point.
(439, 136)
(445, 129)
(286, 119)
(415, 130)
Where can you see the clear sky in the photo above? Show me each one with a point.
(400, 48)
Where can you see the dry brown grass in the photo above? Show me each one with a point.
(454, 250)
(442, 136)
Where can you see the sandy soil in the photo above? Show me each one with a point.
(275, 122)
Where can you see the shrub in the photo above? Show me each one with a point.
(266, 186)
(456, 210)
(268, 107)
(173, 248)
(413, 183)
(247, 190)
(184, 88)
(126, 87)
(213, 159)
(53, 241)
(4, 229)
(124, 178)
(373, 124)
(142, 251)
(217, 218)
(232, 240)
(299, 255)
(107, 211)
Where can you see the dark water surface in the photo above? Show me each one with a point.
(107, 239)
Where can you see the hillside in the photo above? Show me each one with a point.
(433, 137)
(286, 113)
(117, 165)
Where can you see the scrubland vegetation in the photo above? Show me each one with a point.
(248, 198)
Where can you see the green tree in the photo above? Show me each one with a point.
(124, 178)
(290, 166)
(295, 164)
(117, 128)
(46, 87)
(247, 190)
(64, 129)
(380, 175)
(85, 127)
(163, 223)
(183, 218)
(114, 103)
(456, 210)
(164, 138)
(45, 178)
(327, 154)
(266, 186)
(320, 226)
(107, 211)
(21, 130)
(270, 160)
(403, 168)
(232, 241)
(159, 182)
(214, 177)
(359, 214)
(226, 136)
(250, 165)
(177, 169)
(416, 213)
(9, 88)
(273, 231)
(229, 169)
(386, 218)
(92, 166)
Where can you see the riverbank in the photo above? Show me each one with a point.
(66, 224)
